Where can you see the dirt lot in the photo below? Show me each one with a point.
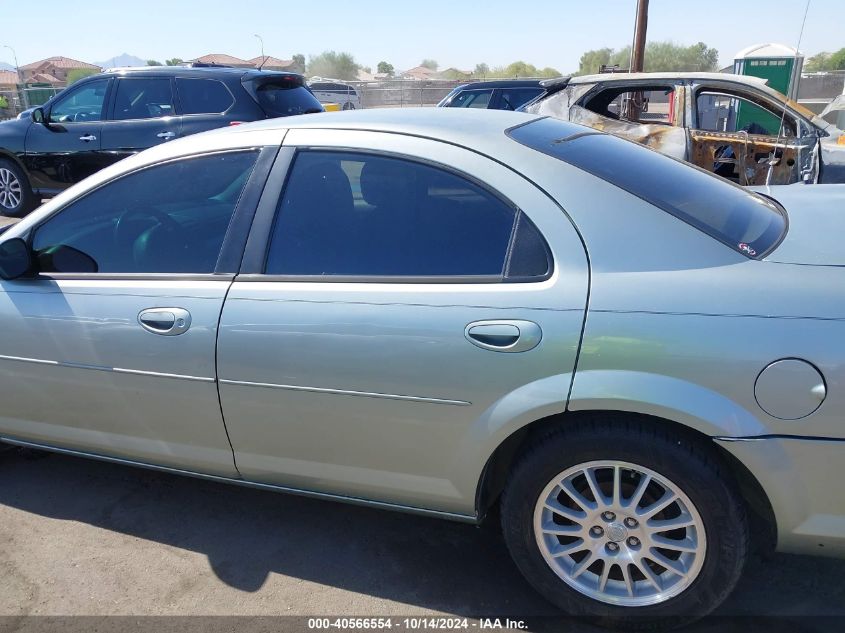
(79, 537)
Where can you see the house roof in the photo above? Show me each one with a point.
(362, 75)
(420, 70)
(8, 78)
(44, 78)
(269, 61)
(59, 62)
(222, 59)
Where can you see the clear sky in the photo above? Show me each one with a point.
(456, 33)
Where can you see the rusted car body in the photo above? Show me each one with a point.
(735, 126)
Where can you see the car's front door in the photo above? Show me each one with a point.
(110, 349)
(402, 311)
(143, 114)
(65, 148)
(739, 136)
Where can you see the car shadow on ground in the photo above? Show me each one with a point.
(438, 565)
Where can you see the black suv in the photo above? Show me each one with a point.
(103, 118)
(504, 94)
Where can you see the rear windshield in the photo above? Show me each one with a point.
(749, 223)
(285, 97)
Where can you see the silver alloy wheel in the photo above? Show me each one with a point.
(620, 533)
(10, 189)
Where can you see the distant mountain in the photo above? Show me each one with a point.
(6, 66)
(122, 61)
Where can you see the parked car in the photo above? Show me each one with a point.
(336, 92)
(397, 309)
(107, 117)
(505, 94)
(732, 125)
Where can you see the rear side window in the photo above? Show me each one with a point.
(147, 98)
(170, 218)
(513, 98)
(284, 97)
(349, 214)
(203, 96)
(747, 222)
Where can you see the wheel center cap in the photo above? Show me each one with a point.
(616, 532)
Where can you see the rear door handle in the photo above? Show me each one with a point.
(166, 135)
(88, 138)
(165, 321)
(504, 336)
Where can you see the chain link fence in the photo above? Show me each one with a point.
(13, 102)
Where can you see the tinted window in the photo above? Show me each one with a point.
(286, 97)
(367, 215)
(203, 96)
(749, 223)
(513, 98)
(166, 219)
(471, 99)
(83, 103)
(147, 98)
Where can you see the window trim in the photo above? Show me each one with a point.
(258, 178)
(258, 247)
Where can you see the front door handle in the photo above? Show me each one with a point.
(165, 321)
(504, 336)
(166, 135)
(88, 138)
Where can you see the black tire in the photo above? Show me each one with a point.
(691, 465)
(27, 200)
(348, 106)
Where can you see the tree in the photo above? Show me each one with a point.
(481, 70)
(387, 69)
(175, 61)
(79, 73)
(298, 63)
(152, 62)
(826, 61)
(659, 57)
(429, 63)
(334, 65)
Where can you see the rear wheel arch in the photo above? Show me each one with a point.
(499, 465)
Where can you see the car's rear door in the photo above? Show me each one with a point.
(391, 305)
(111, 348)
(208, 103)
(142, 115)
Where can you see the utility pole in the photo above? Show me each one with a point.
(20, 78)
(634, 102)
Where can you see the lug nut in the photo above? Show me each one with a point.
(631, 523)
(634, 541)
(608, 516)
(597, 531)
(612, 547)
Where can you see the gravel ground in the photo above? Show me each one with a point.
(80, 537)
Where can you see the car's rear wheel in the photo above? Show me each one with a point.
(16, 197)
(348, 106)
(626, 524)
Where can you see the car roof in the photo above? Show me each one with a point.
(198, 71)
(501, 83)
(603, 77)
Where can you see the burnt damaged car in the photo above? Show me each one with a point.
(735, 126)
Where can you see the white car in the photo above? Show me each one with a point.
(344, 95)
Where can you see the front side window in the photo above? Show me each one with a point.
(84, 103)
(718, 112)
(203, 96)
(170, 218)
(472, 99)
(350, 214)
(148, 98)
